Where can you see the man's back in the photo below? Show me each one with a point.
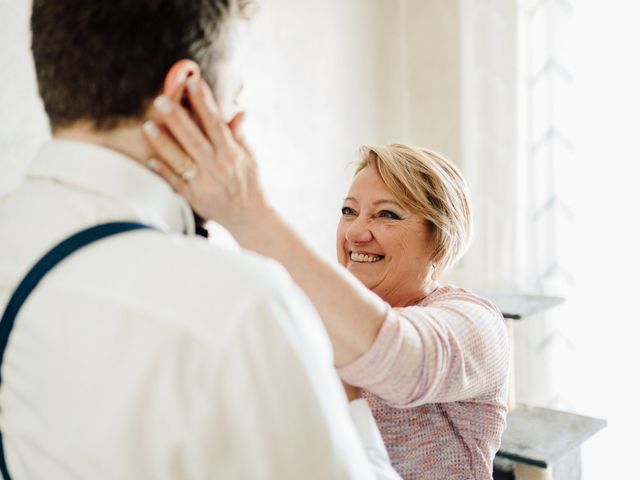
(155, 354)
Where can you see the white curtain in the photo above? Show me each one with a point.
(550, 114)
(507, 150)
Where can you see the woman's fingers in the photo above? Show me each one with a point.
(171, 153)
(176, 182)
(225, 185)
(185, 130)
(235, 126)
(206, 109)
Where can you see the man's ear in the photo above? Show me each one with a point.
(175, 80)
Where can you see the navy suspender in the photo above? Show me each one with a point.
(39, 270)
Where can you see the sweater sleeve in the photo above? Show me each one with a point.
(456, 348)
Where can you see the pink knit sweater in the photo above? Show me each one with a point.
(436, 380)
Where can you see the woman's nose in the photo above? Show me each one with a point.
(359, 232)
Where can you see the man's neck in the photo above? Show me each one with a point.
(127, 139)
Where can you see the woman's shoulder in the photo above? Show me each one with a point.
(452, 295)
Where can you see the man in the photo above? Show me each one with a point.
(153, 354)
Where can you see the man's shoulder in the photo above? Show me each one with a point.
(452, 294)
(206, 267)
(191, 254)
(192, 286)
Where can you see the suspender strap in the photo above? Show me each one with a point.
(37, 272)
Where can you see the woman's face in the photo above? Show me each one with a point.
(384, 245)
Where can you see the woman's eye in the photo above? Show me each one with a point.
(389, 214)
(347, 211)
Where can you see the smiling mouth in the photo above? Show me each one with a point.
(364, 257)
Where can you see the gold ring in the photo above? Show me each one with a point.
(190, 173)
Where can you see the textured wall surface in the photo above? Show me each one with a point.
(22, 121)
(319, 83)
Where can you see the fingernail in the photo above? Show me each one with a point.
(151, 128)
(163, 104)
(192, 84)
(153, 164)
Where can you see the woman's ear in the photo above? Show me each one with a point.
(175, 81)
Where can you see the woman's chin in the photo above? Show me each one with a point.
(363, 276)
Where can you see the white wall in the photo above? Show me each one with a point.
(22, 122)
(432, 33)
(320, 81)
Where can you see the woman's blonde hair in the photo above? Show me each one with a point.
(428, 184)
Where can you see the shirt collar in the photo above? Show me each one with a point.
(109, 173)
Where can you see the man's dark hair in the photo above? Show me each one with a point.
(102, 61)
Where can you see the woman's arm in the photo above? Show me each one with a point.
(352, 314)
(226, 189)
(454, 349)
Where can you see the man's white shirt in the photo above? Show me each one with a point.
(159, 355)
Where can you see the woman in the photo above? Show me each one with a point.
(432, 360)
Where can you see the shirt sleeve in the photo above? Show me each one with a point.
(371, 440)
(282, 412)
(454, 349)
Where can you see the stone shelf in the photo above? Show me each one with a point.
(541, 437)
(516, 306)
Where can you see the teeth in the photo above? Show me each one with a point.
(362, 258)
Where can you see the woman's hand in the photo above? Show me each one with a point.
(205, 159)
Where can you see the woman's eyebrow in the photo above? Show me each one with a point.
(392, 202)
(378, 202)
